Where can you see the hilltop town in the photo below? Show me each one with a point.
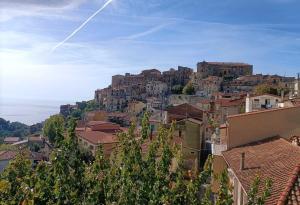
(226, 84)
(222, 114)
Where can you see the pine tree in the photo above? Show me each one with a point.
(253, 197)
(96, 180)
(224, 194)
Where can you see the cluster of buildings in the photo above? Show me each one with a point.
(34, 146)
(150, 86)
(248, 134)
(159, 89)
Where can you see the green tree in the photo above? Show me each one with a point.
(253, 197)
(189, 89)
(265, 89)
(177, 89)
(139, 171)
(224, 194)
(96, 179)
(54, 129)
(43, 181)
(15, 180)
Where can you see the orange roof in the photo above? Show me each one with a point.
(96, 137)
(205, 101)
(271, 95)
(291, 194)
(229, 102)
(273, 158)
(91, 123)
(262, 111)
(11, 139)
(7, 155)
(184, 110)
(35, 139)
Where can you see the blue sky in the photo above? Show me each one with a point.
(131, 35)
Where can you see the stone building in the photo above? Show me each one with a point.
(208, 86)
(226, 70)
(181, 76)
(66, 110)
(149, 83)
(156, 88)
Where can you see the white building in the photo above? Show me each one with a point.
(260, 102)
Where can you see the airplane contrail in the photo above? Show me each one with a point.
(82, 25)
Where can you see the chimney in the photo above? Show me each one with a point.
(248, 104)
(242, 162)
(282, 95)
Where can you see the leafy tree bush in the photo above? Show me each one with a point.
(15, 129)
(54, 129)
(189, 89)
(132, 175)
(265, 89)
(177, 89)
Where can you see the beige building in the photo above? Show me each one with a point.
(208, 86)
(191, 131)
(226, 70)
(258, 143)
(136, 107)
(98, 115)
(95, 133)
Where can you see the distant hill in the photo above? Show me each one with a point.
(17, 129)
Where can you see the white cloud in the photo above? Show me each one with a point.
(10, 9)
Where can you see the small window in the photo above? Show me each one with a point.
(192, 152)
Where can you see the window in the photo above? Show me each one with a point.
(91, 147)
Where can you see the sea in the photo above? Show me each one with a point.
(28, 111)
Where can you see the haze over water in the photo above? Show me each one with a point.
(28, 111)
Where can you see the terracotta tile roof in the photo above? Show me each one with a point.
(7, 155)
(96, 137)
(267, 94)
(35, 139)
(205, 101)
(262, 111)
(103, 126)
(273, 158)
(11, 139)
(92, 123)
(185, 110)
(229, 102)
(291, 194)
